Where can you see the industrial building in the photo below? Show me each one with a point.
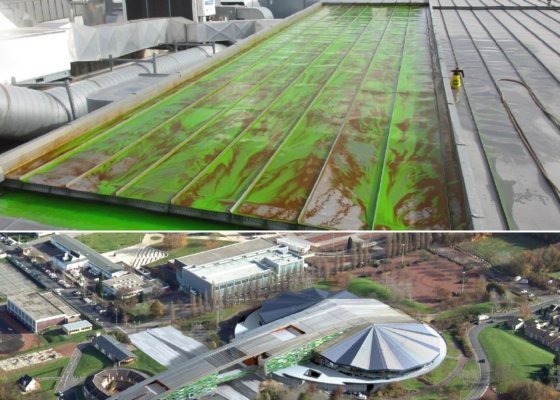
(127, 286)
(336, 340)
(38, 311)
(96, 263)
(255, 262)
(69, 261)
(295, 244)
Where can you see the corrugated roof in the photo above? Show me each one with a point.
(221, 253)
(395, 347)
(111, 346)
(291, 303)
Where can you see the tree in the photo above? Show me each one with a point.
(171, 312)
(556, 360)
(174, 240)
(525, 310)
(532, 390)
(443, 294)
(141, 297)
(121, 337)
(156, 309)
(99, 288)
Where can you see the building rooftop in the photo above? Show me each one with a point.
(112, 346)
(293, 331)
(232, 250)
(241, 266)
(42, 305)
(126, 281)
(82, 324)
(509, 101)
(93, 256)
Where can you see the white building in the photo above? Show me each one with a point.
(96, 263)
(294, 243)
(254, 262)
(69, 262)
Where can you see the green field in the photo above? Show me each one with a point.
(91, 361)
(47, 374)
(56, 336)
(104, 242)
(365, 287)
(512, 358)
(481, 308)
(145, 363)
(250, 136)
(500, 248)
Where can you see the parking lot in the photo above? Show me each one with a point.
(12, 281)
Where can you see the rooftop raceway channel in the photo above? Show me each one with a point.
(340, 118)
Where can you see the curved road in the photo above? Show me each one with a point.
(484, 367)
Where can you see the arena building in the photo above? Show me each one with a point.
(333, 340)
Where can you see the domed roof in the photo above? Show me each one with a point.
(393, 347)
(290, 303)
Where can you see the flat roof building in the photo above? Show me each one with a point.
(127, 286)
(295, 243)
(39, 311)
(96, 262)
(231, 266)
(69, 261)
(76, 327)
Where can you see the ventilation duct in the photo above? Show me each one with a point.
(25, 113)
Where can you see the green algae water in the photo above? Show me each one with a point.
(331, 122)
(61, 212)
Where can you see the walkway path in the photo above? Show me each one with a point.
(68, 380)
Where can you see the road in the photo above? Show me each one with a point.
(484, 367)
(68, 380)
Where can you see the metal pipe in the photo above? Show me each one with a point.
(26, 113)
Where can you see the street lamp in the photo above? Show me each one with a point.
(463, 283)
(402, 254)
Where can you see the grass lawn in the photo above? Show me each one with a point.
(512, 366)
(225, 313)
(104, 242)
(554, 275)
(458, 387)
(414, 305)
(91, 361)
(500, 248)
(145, 363)
(324, 285)
(365, 287)
(46, 373)
(440, 373)
(57, 336)
(481, 308)
(192, 246)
